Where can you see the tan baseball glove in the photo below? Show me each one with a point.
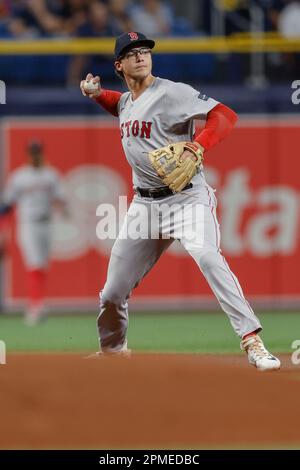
(175, 171)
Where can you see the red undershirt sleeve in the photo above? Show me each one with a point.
(219, 123)
(109, 101)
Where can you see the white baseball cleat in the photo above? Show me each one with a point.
(258, 355)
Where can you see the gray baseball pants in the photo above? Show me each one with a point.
(149, 229)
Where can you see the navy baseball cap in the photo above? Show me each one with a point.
(132, 39)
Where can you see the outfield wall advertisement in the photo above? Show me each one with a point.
(256, 176)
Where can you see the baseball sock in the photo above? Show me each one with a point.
(253, 333)
(36, 286)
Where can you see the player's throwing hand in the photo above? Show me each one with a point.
(91, 86)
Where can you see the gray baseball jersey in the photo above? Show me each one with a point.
(33, 190)
(164, 113)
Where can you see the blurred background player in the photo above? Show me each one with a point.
(35, 189)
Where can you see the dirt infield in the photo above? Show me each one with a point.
(147, 401)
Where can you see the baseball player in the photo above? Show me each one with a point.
(153, 113)
(34, 188)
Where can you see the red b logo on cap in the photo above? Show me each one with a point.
(133, 36)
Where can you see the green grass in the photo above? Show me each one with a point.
(166, 332)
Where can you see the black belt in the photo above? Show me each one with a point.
(158, 192)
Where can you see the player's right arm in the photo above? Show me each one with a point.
(108, 99)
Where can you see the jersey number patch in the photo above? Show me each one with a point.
(203, 97)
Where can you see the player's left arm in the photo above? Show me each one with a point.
(219, 123)
(59, 198)
(190, 104)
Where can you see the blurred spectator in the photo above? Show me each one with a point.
(272, 9)
(17, 28)
(36, 16)
(237, 15)
(47, 17)
(152, 17)
(9, 26)
(289, 20)
(5, 12)
(289, 26)
(97, 25)
(285, 18)
(74, 13)
(120, 17)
